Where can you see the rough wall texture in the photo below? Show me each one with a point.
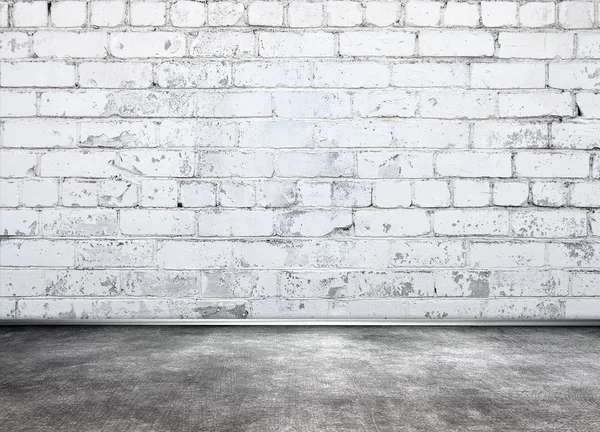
(336, 159)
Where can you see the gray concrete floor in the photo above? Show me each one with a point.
(299, 379)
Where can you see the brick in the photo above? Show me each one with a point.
(576, 15)
(588, 45)
(580, 254)
(470, 222)
(534, 104)
(377, 43)
(188, 14)
(305, 14)
(390, 164)
(117, 134)
(197, 133)
(107, 13)
(205, 254)
(422, 133)
(30, 14)
(17, 104)
(311, 223)
(143, 45)
(158, 193)
(588, 105)
(343, 13)
(574, 75)
(79, 222)
(430, 75)
(18, 163)
(10, 193)
(64, 44)
(237, 194)
(585, 194)
(276, 134)
(225, 13)
(351, 75)
(461, 14)
(50, 309)
(37, 74)
(510, 194)
(391, 223)
(552, 165)
(306, 44)
(586, 283)
(471, 193)
(385, 103)
(215, 44)
(79, 193)
(391, 194)
(549, 194)
(581, 308)
(19, 223)
(157, 222)
(530, 283)
(14, 45)
(457, 104)
(273, 74)
(22, 282)
(38, 134)
(499, 13)
(321, 164)
(143, 103)
(82, 283)
(456, 43)
(423, 14)
(39, 193)
(535, 45)
(264, 13)
(314, 193)
(235, 164)
(69, 14)
(115, 75)
(239, 222)
(431, 193)
(3, 14)
(78, 164)
(537, 14)
(238, 104)
(37, 253)
(311, 104)
(118, 193)
(507, 254)
(382, 13)
(549, 224)
(86, 103)
(196, 75)
(162, 283)
(115, 253)
(474, 164)
(276, 194)
(510, 134)
(508, 75)
(197, 194)
(147, 13)
(351, 194)
(354, 133)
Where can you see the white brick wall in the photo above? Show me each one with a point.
(306, 159)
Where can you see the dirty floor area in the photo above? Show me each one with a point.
(299, 379)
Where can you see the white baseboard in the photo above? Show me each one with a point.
(307, 322)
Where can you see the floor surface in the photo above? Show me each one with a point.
(299, 379)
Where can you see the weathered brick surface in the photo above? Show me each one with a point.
(299, 159)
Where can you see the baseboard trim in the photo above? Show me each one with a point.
(307, 322)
